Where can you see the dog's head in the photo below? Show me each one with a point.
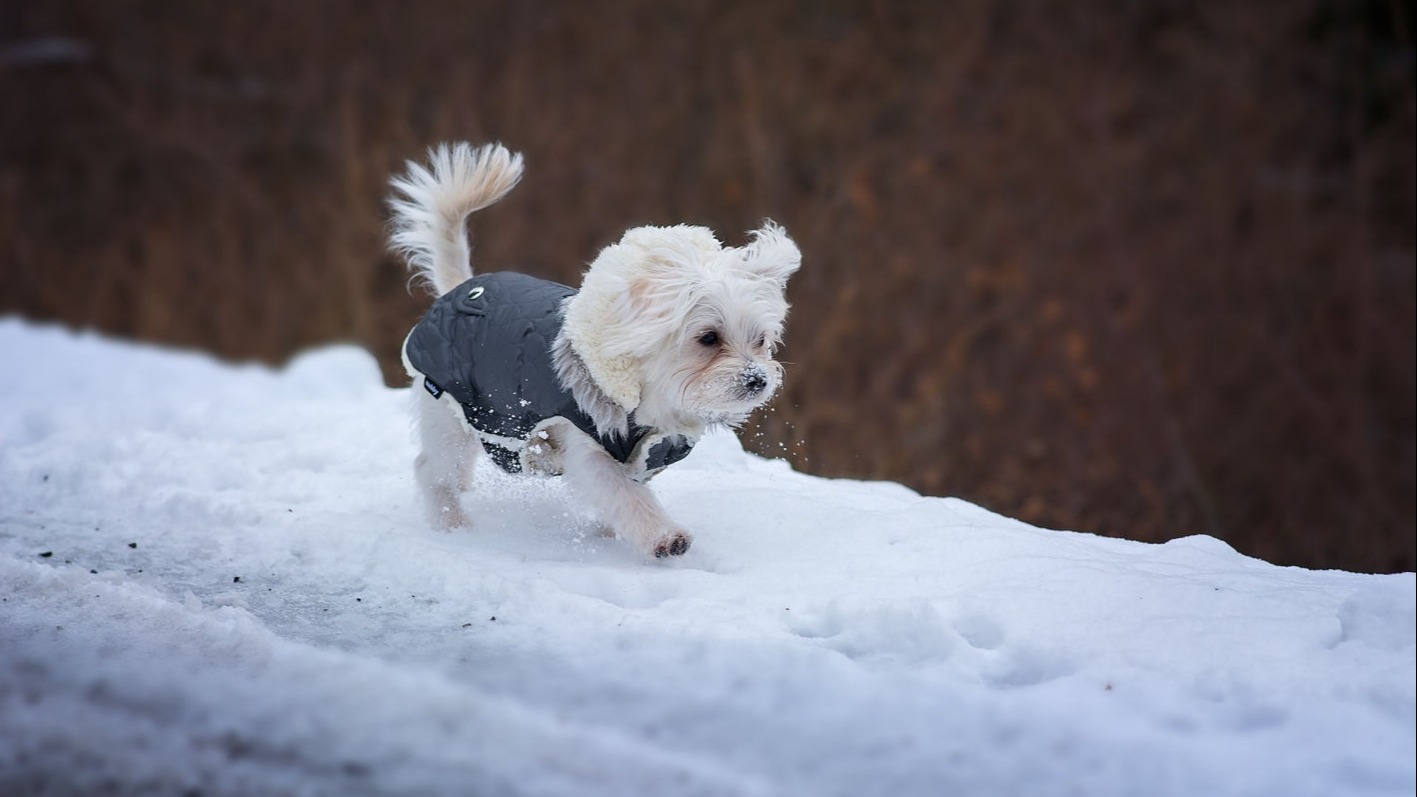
(680, 329)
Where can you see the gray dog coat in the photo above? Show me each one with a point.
(487, 343)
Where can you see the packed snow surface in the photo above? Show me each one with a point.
(215, 580)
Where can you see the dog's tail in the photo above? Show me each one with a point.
(431, 205)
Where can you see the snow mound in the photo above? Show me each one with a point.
(214, 580)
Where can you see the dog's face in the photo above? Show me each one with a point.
(715, 359)
(686, 328)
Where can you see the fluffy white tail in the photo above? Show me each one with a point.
(431, 205)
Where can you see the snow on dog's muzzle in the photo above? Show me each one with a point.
(752, 381)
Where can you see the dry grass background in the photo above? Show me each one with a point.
(1145, 269)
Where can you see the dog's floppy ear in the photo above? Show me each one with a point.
(660, 252)
(631, 300)
(772, 253)
(659, 267)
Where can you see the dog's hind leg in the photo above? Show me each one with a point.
(443, 467)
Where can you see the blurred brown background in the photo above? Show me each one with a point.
(1139, 268)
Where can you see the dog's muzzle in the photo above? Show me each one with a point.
(751, 382)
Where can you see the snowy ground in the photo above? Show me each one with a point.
(214, 580)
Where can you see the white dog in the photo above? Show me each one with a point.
(670, 333)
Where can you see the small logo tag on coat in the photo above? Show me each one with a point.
(432, 388)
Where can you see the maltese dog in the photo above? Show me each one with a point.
(670, 333)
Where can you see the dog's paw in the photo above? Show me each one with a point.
(449, 518)
(673, 544)
(544, 455)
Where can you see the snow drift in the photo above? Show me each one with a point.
(214, 580)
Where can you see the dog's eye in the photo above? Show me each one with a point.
(709, 338)
(762, 341)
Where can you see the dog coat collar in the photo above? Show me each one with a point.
(488, 344)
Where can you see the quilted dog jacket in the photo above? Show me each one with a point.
(488, 342)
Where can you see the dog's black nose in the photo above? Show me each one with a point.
(754, 381)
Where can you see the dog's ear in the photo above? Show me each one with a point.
(661, 265)
(632, 299)
(680, 248)
(771, 253)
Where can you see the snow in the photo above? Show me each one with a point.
(215, 580)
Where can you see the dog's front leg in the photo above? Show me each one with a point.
(627, 506)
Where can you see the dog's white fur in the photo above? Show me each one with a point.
(669, 324)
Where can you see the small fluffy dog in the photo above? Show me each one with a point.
(669, 334)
